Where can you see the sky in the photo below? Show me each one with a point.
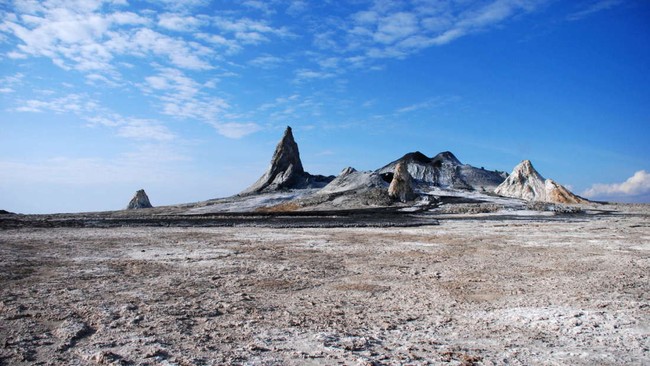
(187, 99)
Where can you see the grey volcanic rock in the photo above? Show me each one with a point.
(446, 171)
(139, 200)
(350, 179)
(526, 183)
(401, 187)
(286, 171)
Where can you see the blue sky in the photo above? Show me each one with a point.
(187, 99)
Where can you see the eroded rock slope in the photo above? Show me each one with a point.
(526, 183)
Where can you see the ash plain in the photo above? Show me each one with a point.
(472, 289)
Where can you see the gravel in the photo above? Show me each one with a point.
(527, 290)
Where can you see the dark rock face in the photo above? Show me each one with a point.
(401, 188)
(286, 171)
(446, 171)
(139, 200)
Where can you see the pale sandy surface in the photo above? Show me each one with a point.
(535, 291)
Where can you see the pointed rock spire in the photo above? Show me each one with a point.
(285, 170)
(526, 183)
(401, 187)
(287, 156)
(139, 200)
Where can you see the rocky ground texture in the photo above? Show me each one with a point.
(561, 289)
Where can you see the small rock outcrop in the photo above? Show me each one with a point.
(139, 200)
(526, 183)
(286, 171)
(401, 187)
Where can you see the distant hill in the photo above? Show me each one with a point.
(421, 181)
(446, 171)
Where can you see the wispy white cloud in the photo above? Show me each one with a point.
(182, 42)
(71, 103)
(231, 46)
(188, 55)
(594, 7)
(180, 22)
(292, 107)
(173, 80)
(90, 111)
(98, 79)
(249, 31)
(267, 61)
(279, 102)
(393, 27)
(142, 129)
(325, 153)
(133, 128)
(307, 74)
(399, 29)
(235, 130)
(638, 184)
(297, 7)
(71, 33)
(155, 159)
(181, 96)
(90, 36)
(181, 6)
(430, 103)
(8, 83)
(263, 6)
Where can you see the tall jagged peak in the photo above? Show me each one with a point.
(285, 170)
(139, 200)
(286, 153)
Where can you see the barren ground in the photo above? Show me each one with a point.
(468, 291)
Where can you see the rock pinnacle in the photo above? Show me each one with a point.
(401, 187)
(285, 170)
(139, 200)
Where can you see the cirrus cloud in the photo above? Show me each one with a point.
(399, 29)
